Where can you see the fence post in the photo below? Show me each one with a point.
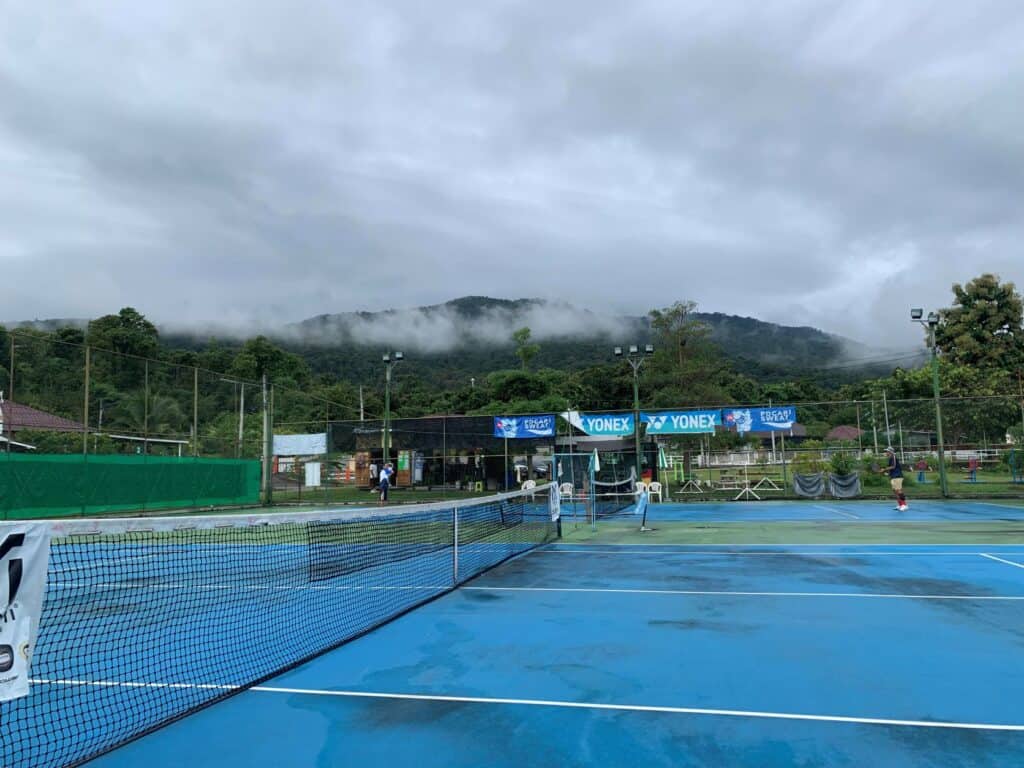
(455, 546)
(85, 407)
(195, 411)
(267, 437)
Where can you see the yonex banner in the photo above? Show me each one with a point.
(681, 422)
(605, 424)
(777, 419)
(512, 427)
(24, 552)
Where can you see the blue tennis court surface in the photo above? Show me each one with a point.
(837, 511)
(657, 655)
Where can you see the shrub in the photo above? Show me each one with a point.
(843, 463)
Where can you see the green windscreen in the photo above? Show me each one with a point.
(59, 485)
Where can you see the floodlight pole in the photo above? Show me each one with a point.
(635, 358)
(390, 359)
(917, 316)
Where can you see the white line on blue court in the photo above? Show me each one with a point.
(836, 511)
(566, 705)
(739, 593)
(999, 559)
(760, 553)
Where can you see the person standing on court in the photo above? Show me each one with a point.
(385, 483)
(895, 472)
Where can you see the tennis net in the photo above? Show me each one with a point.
(146, 620)
(613, 498)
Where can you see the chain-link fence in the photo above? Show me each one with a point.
(63, 397)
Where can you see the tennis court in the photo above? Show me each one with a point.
(625, 648)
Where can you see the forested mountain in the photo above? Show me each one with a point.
(472, 336)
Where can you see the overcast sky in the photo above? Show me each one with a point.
(824, 163)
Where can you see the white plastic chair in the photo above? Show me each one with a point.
(529, 485)
(654, 489)
(640, 487)
(565, 491)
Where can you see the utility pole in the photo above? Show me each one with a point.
(10, 384)
(888, 428)
(362, 414)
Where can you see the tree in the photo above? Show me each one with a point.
(985, 325)
(677, 330)
(525, 351)
(128, 333)
(260, 355)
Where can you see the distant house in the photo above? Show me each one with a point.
(844, 432)
(15, 418)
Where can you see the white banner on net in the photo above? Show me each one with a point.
(24, 554)
(300, 445)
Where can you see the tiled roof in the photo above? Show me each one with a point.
(844, 432)
(17, 417)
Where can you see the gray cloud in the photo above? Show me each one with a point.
(442, 328)
(252, 164)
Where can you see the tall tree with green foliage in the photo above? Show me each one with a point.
(525, 351)
(985, 325)
(677, 331)
(128, 333)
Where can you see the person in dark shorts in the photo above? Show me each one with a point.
(385, 483)
(895, 472)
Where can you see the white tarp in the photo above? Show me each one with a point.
(24, 554)
(300, 445)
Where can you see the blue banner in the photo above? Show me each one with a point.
(512, 427)
(777, 419)
(681, 422)
(606, 424)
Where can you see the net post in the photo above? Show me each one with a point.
(455, 546)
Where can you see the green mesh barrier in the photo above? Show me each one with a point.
(58, 485)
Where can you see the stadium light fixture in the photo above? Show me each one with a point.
(916, 314)
(633, 349)
(648, 349)
(618, 351)
(933, 318)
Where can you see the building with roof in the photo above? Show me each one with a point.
(17, 417)
(846, 432)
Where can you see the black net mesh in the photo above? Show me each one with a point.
(147, 620)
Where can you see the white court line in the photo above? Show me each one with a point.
(837, 511)
(1018, 507)
(999, 559)
(724, 592)
(571, 705)
(758, 553)
(254, 587)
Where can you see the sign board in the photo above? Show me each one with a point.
(607, 424)
(300, 445)
(681, 422)
(515, 427)
(776, 419)
(24, 554)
